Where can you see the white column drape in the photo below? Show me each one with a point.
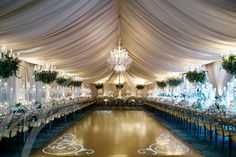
(218, 77)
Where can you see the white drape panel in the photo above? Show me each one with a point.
(77, 35)
(218, 77)
(73, 35)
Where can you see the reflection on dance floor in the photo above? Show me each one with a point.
(116, 133)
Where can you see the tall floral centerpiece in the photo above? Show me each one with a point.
(161, 85)
(174, 82)
(99, 87)
(197, 77)
(119, 86)
(229, 65)
(139, 88)
(46, 74)
(62, 81)
(9, 66)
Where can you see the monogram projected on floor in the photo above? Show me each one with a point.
(166, 144)
(66, 145)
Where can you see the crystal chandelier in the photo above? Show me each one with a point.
(119, 59)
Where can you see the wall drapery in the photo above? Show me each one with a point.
(218, 77)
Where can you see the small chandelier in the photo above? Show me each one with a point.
(119, 59)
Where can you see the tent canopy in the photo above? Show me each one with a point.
(77, 36)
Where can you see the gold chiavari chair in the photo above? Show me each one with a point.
(225, 128)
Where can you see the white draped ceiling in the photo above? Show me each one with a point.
(77, 35)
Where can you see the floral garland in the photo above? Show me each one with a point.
(140, 86)
(9, 65)
(44, 76)
(229, 64)
(161, 84)
(99, 85)
(174, 82)
(194, 76)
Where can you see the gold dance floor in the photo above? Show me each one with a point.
(116, 133)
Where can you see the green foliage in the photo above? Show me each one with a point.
(197, 104)
(75, 83)
(229, 64)
(119, 86)
(20, 108)
(9, 66)
(174, 82)
(38, 105)
(161, 84)
(44, 76)
(63, 81)
(140, 86)
(194, 76)
(219, 107)
(99, 85)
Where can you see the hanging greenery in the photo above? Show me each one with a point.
(229, 64)
(9, 65)
(119, 86)
(174, 82)
(75, 83)
(44, 76)
(161, 84)
(194, 76)
(63, 81)
(99, 85)
(140, 87)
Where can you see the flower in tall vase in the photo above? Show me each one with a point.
(9, 64)
(174, 82)
(62, 81)
(140, 87)
(119, 86)
(99, 87)
(45, 76)
(161, 85)
(196, 77)
(229, 64)
(75, 83)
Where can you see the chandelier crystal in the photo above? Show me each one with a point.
(119, 59)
